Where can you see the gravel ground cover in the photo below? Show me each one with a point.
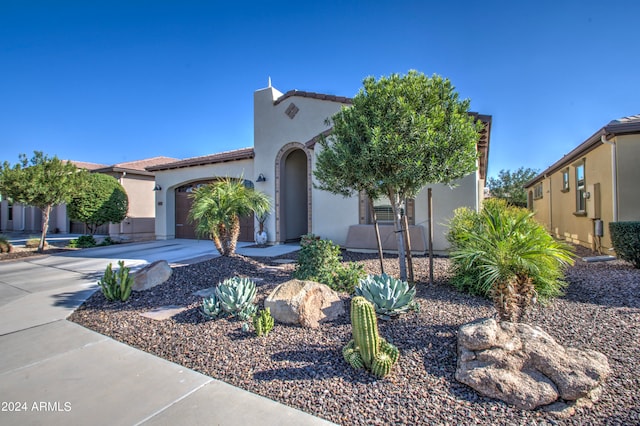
(303, 368)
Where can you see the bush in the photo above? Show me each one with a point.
(625, 237)
(116, 285)
(83, 241)
(32, 242)
(5, 245)
(319, 260)
(505, 254)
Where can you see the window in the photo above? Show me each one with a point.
(581, 201)
(537, 191)
(383, 210)
(565, 181)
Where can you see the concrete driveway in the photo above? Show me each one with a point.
(55, 372)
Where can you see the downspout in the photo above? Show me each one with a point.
(121, 223)
(614, 175)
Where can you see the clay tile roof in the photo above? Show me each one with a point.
(147, 162)
(87, 166)
(235, 155)
(313, 95)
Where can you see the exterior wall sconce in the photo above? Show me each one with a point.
(157, 187)
(261, 178)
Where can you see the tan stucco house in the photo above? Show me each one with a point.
(280, 164)
(597, 183)
(139, 224)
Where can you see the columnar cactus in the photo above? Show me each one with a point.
(367, 349)
(263, 322)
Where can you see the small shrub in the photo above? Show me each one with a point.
(389, 296)
(319, 260)
(107, 242)
(625, 237)
(116, 285)
(32, 242)
(5, 245)
(83, 241)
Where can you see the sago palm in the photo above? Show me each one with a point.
(217, 208)
(515, 259)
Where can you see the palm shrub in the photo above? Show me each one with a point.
(217, 208)
(319, 260)
(116, 285)
(389, 296)
(514, 259)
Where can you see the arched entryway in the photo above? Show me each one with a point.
(185, 229)
(294, 196)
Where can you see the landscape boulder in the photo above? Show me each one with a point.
(306, 303)
(525, 367)
(152, 275)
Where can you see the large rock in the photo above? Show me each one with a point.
(152, 275)
(306, 303)
(524, 366)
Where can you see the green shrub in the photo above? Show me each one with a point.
(116, 285)
(509, 257)
(5, 244)
(625, 237)
(319, 260)
(389, 296)
(83, 241)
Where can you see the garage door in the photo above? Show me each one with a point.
(184, 229)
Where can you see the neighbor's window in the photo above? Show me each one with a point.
(537, 191)
(384, 212)
(580, 189)
(565, 180)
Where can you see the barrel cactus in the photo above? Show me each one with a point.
(389, 296)
(367, 349)
(263, 322)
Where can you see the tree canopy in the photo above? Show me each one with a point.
(400, 134)
(102, 200)
(42, 182)
(509, 186)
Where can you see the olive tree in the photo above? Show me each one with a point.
(42, 182)
(402, 133)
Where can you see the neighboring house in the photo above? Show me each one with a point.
(280, 164)
(139, 224)
(595, 184)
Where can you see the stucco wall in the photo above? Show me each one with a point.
(628, 160)
(169, 180)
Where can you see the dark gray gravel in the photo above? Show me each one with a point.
(303, 368)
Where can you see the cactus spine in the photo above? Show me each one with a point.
(367, 348)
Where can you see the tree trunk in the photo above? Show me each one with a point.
(377, 230)
(397, 221)
(407, 242)
(45, 227)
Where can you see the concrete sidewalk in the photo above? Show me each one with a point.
(56, 372)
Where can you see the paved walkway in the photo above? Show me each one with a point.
(55, 372)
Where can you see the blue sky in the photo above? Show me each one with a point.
(114, 81)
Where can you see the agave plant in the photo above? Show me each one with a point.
(236, 296)
(389, 296)
(211, 306)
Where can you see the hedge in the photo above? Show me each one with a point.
(625, 237)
